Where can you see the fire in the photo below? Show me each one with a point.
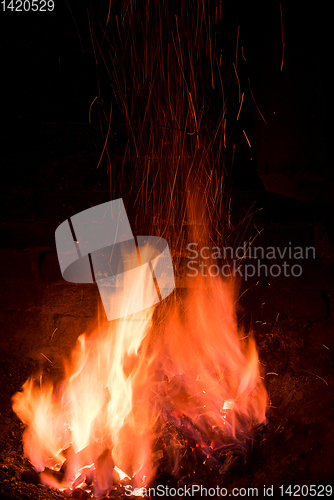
(180, 375)
(183, 363)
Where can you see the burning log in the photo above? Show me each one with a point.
(80, 461)
(103, 477)
(88, 467)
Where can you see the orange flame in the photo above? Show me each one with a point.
(192, 368)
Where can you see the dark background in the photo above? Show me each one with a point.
(49, 153)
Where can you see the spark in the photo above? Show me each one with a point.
(106, 139)
(211, 65)
(315, 375)
(46, 357)
(236, 74)
(237, 47)
(283, 43)
(257, 107)
(54, 331)
(76, 27)
(90, 110)
(242, 99)
(242, 53)
(225, 133)
(249, 144)
(229, 224)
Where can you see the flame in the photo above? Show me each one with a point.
(182, 372)
(184, 363)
